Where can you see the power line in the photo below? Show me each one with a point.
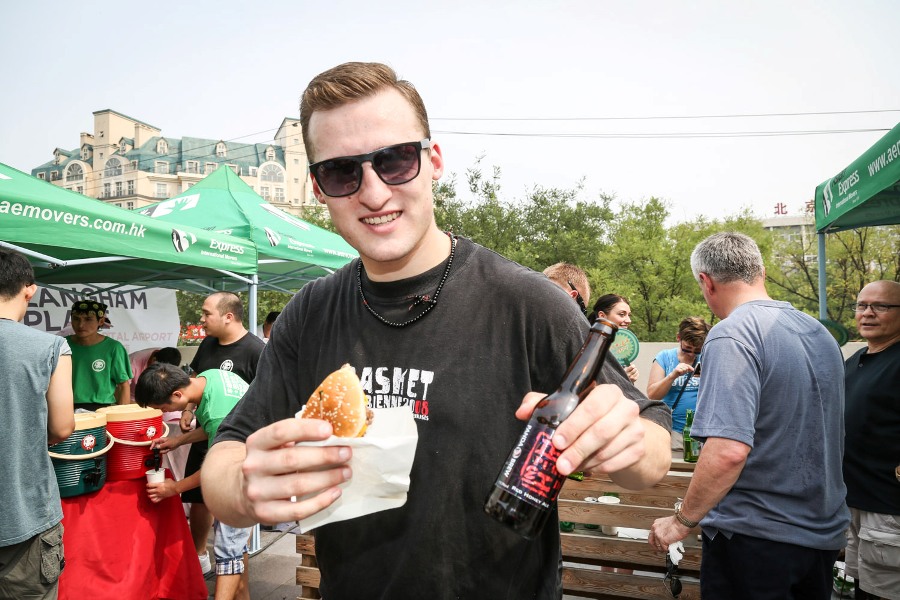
(662, 117)
(656, 136)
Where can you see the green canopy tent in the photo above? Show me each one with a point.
(70, 238)
(291, 251)
(866, 193)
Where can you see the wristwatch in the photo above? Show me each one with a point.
(679, 516)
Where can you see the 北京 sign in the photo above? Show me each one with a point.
(141, 317)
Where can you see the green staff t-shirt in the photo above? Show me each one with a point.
(223, 390)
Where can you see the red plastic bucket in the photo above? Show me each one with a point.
(133, 429)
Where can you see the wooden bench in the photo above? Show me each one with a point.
(589, 556)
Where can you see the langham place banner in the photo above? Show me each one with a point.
(141, 318)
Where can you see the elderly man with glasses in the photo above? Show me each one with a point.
(872, 455)
(433, 323)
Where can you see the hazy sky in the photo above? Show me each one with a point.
(229, 70)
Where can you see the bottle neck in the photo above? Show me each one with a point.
(585, 369)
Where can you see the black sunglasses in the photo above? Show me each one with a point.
(394, 165)
(671, 580)
(578, 298)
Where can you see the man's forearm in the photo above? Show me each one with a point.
(222, 483)
(655, 463)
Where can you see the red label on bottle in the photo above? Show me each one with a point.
(530, 473)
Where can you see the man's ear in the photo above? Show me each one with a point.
(317, 192)
(30, 291)
(573, 294)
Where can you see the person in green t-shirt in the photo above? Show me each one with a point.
(101, 369)
(215, 392)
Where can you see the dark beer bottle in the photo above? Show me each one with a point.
(526, 488)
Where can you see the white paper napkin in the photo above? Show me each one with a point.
(381, 463)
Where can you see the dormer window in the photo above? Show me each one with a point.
(220, 150)
(85, 153)
(113, 168)
(270, 153)
(74, 172)
(272, 173)
(162, 147)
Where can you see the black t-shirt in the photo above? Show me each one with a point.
(240, 357)
(498, 331)
(872, 425)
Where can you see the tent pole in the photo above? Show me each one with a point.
(823, 304)
(254, 286)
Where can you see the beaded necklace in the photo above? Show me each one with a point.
(430, 301)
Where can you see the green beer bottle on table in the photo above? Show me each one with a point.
(691, 446)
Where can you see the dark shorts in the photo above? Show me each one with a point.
(194, 461)
(31, 569)
(749, 568)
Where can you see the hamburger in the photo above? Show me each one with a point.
(340, 400)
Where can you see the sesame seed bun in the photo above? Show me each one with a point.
(340, 400)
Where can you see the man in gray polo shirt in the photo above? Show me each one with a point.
(767, 490)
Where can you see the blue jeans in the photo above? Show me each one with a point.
(229, 548)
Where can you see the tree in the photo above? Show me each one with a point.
(854, 258)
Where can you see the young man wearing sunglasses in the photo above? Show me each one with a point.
(433, 322)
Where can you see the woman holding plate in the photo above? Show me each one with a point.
(616, 309)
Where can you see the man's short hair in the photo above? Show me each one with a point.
(15, 273)
(270, 318)
(693, 330)
(158, 382)
(168, 355)
(728, 257)
(566, 275)
(229, 302)
(351, 82)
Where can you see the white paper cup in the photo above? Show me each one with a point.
(156, 475)
(609, 529)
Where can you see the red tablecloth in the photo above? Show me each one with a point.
(118, 545)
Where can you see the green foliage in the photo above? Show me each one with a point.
(854, 258)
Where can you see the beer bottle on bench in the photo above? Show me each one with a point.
(527, 487)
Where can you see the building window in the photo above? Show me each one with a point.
(235, 168)
(264, 192)
(221, 150)
(193, 166)
(107, 187)
(270, 153)
(113, 168)
(279, 194)
(162, 167)
(296, 161)
(74, 172)
(161, 190)
(85, 153)
(253, 171)
(134, 165)
(162, 147)
(54, 175)
(209, 168)
(118, 188)
(129, 205)
(130, 186)
(42, 176)
(272, 173)
(80, 189)
(296, 180)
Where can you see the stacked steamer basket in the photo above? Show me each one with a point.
(133, 429)
(80, 459)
